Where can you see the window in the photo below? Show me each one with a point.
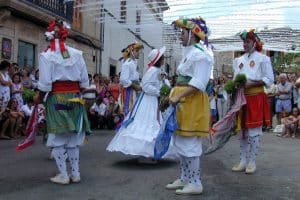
(26, 54)
(77, 16)
(123, 11)
(138, 22)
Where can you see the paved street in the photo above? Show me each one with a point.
(113, 176)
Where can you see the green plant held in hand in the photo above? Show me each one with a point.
(28, 95)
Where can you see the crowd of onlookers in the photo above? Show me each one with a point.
(103, 100)
(284, 99)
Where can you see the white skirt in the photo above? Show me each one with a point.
(138, 138)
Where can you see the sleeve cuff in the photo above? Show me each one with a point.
(266, 81)
(84, 85)
(126, 84)
(197, 84)
(44, 88)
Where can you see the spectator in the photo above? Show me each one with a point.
(5, 82)
(26, 79)
(284, 94)
(221, 98)
(13, 122)
(297, 85)
(97, 114)
(17, 89)
(114, 87)
(291, 124)
(164, 78)
(36, 79)
(113, 115)
(89, 93)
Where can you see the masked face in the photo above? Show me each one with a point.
(249, 45)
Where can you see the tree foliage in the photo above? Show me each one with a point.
(289, 62)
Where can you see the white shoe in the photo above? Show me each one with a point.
(60, 179)
(239, 167)
(75, 179)
(190, 189)
(251, 168)
(175, 185)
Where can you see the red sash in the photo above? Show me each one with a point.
(65, 87)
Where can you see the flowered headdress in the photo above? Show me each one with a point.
(196, 25)
(63, 33)
(126, 52)
(252, 35)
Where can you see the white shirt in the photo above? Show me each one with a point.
(151, 83)
(100, 109)
(52, 67)
(90, 95)
(129, 72)
(27, 110)
(197, 63)
(256, 67)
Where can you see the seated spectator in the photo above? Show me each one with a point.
(97, 114)
(13, 121)
(290, 124)
(113, 115)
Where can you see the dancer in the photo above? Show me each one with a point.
(258, 70)
(63, 75)
(193, 109)
(141, 126)
(129, 77)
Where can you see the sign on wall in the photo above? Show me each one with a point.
(6, 48)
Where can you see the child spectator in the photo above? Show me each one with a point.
(97, 114)
(291, 124)
(17, 89)
(13, 122)
(113, 115)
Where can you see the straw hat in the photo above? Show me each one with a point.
(155, 55)
(126, 51)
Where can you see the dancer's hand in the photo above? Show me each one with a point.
(174, 100)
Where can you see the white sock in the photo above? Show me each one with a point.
(60, 159)
(254, 146)
(194, 170)
(73, 156)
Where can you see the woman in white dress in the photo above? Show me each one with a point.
(141, 126)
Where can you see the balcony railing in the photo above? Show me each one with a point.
(58, 7)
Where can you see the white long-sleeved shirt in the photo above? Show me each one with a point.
(197, 63)
(151, 82)
(129, 72)
(256, 67)
(52, 67)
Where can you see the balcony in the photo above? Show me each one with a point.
(57, 7)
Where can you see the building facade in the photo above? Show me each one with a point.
(122, 23)
(23, 24)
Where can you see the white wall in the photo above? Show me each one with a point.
(117, 37)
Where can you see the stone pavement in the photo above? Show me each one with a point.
(113, 176)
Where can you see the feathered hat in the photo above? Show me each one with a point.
(196, 25)
(252, 35)
(126, 51)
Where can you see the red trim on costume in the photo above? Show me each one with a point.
(152, 62)
(65, 87)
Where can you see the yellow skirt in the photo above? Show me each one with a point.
(192, 114)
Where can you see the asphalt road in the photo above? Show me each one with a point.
(113, 176)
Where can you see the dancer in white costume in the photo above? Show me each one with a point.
(138, 138)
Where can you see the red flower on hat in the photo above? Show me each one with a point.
(197, 30)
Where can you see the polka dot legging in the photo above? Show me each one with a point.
(190, 170)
